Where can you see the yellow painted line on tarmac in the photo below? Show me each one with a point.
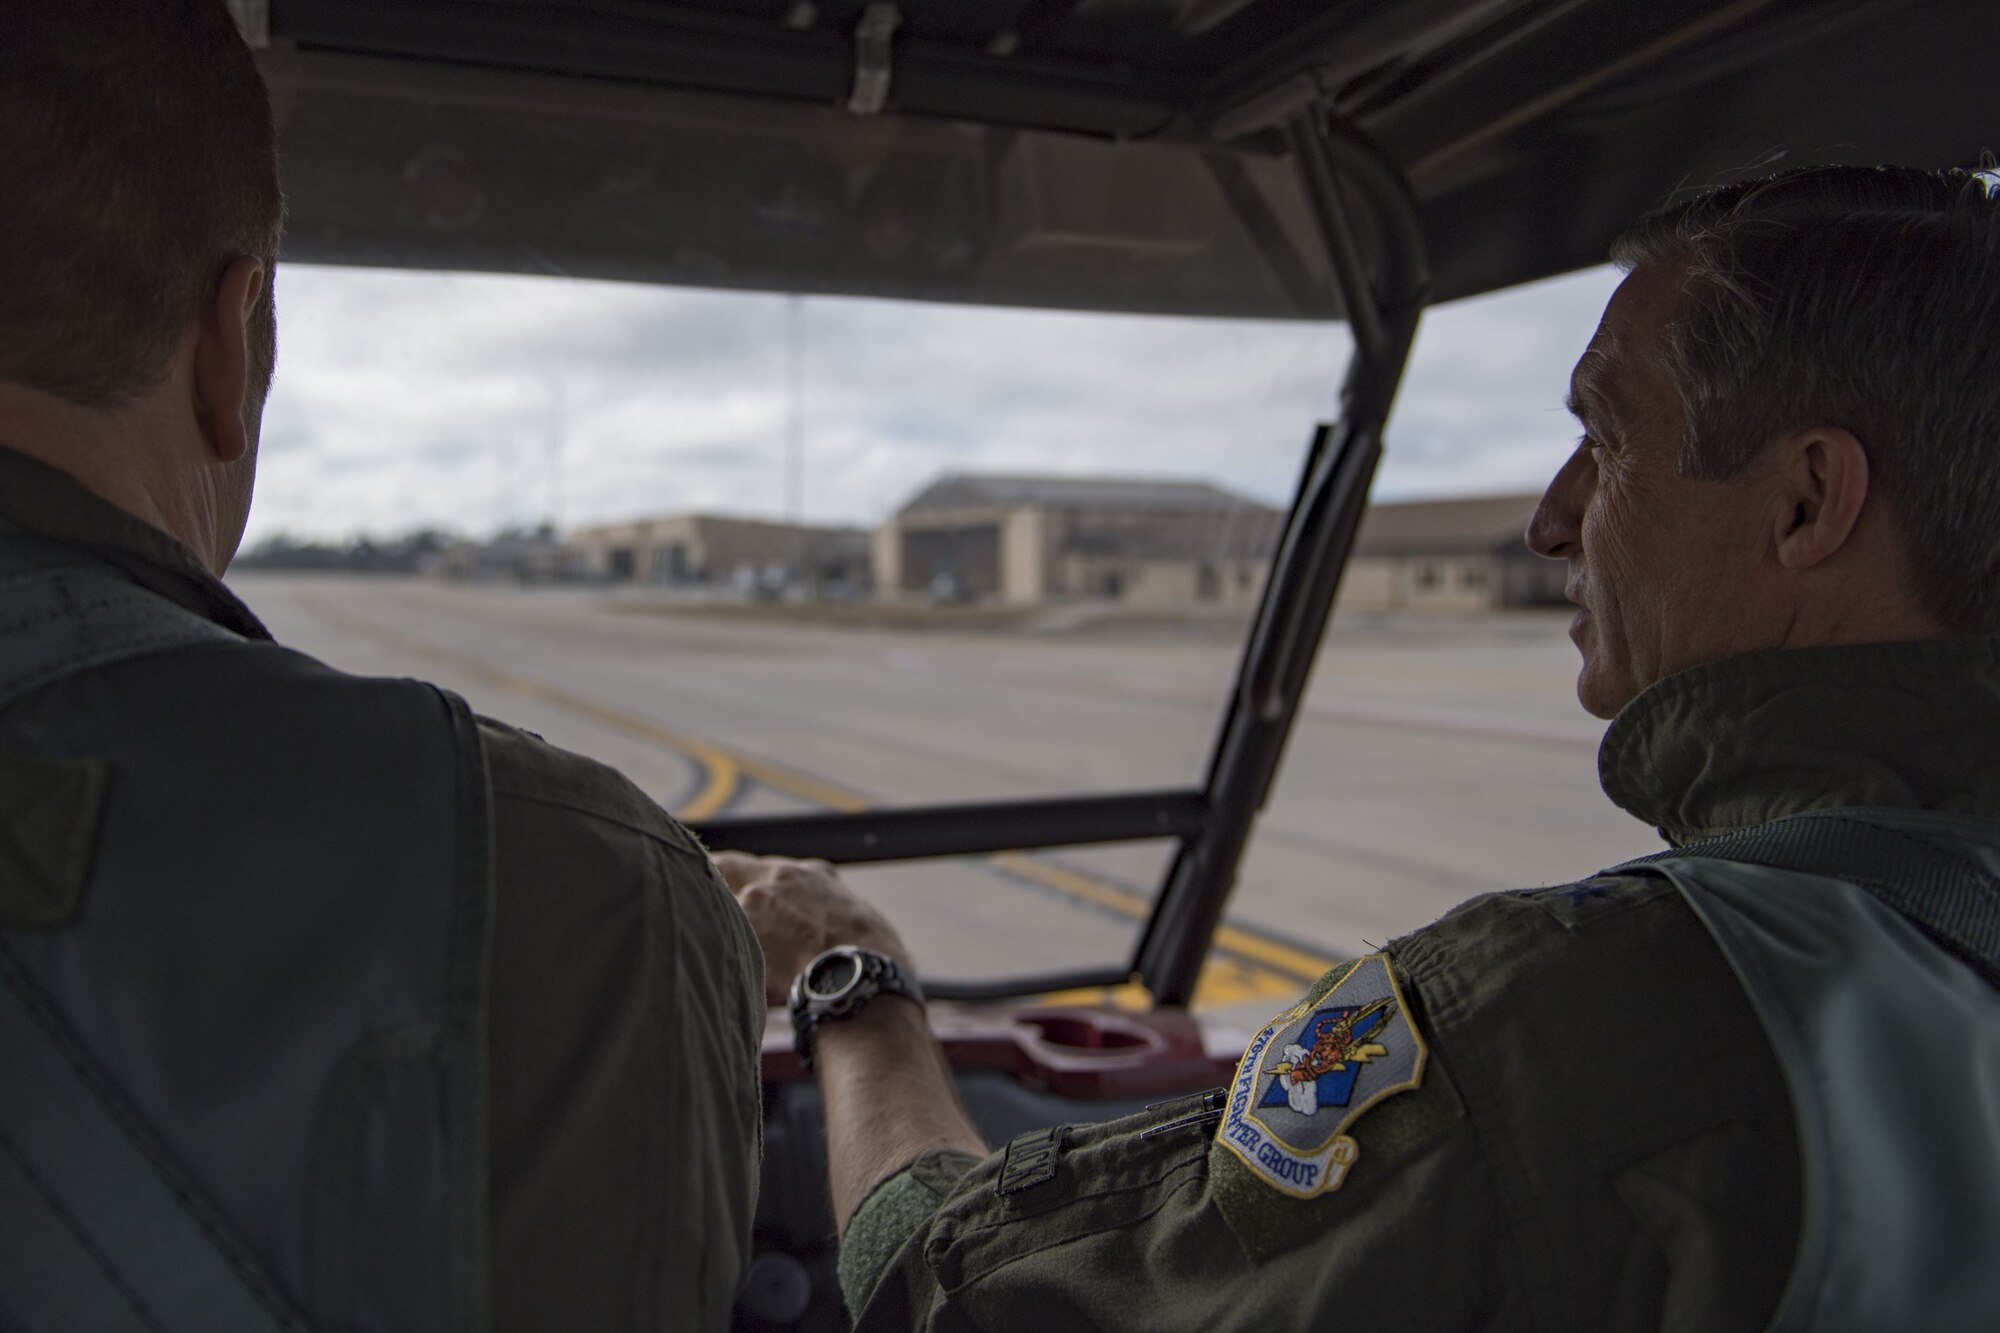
(1243, 966)
(1304, 967)
(1123, 901)
(1224, 982)
(722, 771)
(722, 774)
(804, 785)
(1131, 997)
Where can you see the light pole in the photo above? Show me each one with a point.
(795, 432)
(558, 441)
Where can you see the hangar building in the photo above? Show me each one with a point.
(1450, 555)
(1027, 540)
(706, 549)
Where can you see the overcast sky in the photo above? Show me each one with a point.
(473, 401)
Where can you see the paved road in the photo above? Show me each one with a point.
(1436, 759)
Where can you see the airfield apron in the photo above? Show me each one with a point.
(1869, 944)
(244, 909)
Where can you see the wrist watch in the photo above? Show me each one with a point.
(839, 984)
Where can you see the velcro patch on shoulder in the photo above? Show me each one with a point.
(50, 811)
(1313, 1071)
(1032, 1159)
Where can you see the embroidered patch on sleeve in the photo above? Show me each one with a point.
(1311, 1073)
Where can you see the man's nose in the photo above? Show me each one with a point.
(1556, 530)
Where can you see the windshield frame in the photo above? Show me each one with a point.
(1357, 195)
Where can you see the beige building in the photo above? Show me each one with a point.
(1030, 540)
(706, 549)
(1449, 555)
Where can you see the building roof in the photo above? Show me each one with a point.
(1441, 527)
(966, 490)
(653, 524)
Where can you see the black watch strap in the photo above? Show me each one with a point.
(839, 984)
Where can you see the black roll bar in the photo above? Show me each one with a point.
(1357, 196)
(917, 832)
(1277, 665)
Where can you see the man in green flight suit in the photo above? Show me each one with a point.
(323, 1003)
(1752, 1083)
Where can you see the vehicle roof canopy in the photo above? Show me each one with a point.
(1092, 154)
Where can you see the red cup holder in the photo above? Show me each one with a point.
(1083, 1032)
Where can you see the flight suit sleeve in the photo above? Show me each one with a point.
(1139, 1225)
(1580, 1126)
(894, 1211)
(625, 1016)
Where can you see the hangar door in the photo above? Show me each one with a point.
(954, 562)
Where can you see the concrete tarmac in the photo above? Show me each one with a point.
(1436, 758)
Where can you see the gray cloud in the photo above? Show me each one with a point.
(471, 401)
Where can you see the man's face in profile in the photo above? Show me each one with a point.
(1666, 568)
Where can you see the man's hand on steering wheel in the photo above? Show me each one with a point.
(800, 909)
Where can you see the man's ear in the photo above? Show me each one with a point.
(1823, 480)
(223, 358)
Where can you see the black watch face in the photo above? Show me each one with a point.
(832, 976)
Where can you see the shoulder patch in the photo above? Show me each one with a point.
(1312, 1072)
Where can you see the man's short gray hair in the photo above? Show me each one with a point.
(1866, 298)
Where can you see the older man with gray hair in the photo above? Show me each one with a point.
(1751, 1082)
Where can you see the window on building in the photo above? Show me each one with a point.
(670, 563)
